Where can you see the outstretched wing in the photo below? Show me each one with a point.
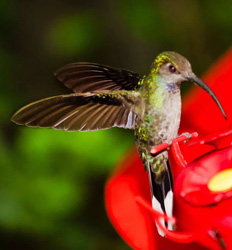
(88, 77)
(83, 112)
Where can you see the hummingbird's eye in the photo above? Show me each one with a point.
(172, 69)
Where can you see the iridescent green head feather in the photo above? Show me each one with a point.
(169, 58)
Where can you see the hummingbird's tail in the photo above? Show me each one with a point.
(162, 194)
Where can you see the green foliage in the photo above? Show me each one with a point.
(143, 18)
(73, 34)
(52, 182)
(46, 177)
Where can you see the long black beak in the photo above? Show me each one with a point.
(206, 88)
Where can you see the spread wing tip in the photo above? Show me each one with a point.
(85, 76)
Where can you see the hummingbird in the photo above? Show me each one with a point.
(106, 97)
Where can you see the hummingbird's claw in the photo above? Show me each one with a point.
(168, 144)
(188, 136)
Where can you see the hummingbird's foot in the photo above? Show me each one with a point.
(169, 142)
(188, 136)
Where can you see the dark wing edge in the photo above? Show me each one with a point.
(87, 77)
(77, 112)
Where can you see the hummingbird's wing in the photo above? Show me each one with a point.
(83, 112)
(88, 77)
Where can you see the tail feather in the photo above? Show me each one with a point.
(162, 195)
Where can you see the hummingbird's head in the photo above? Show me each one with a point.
(173, 68)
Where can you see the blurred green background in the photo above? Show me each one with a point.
(52, 182)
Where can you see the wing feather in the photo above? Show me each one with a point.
(95, 117)
(83, 77)
(83, 112)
